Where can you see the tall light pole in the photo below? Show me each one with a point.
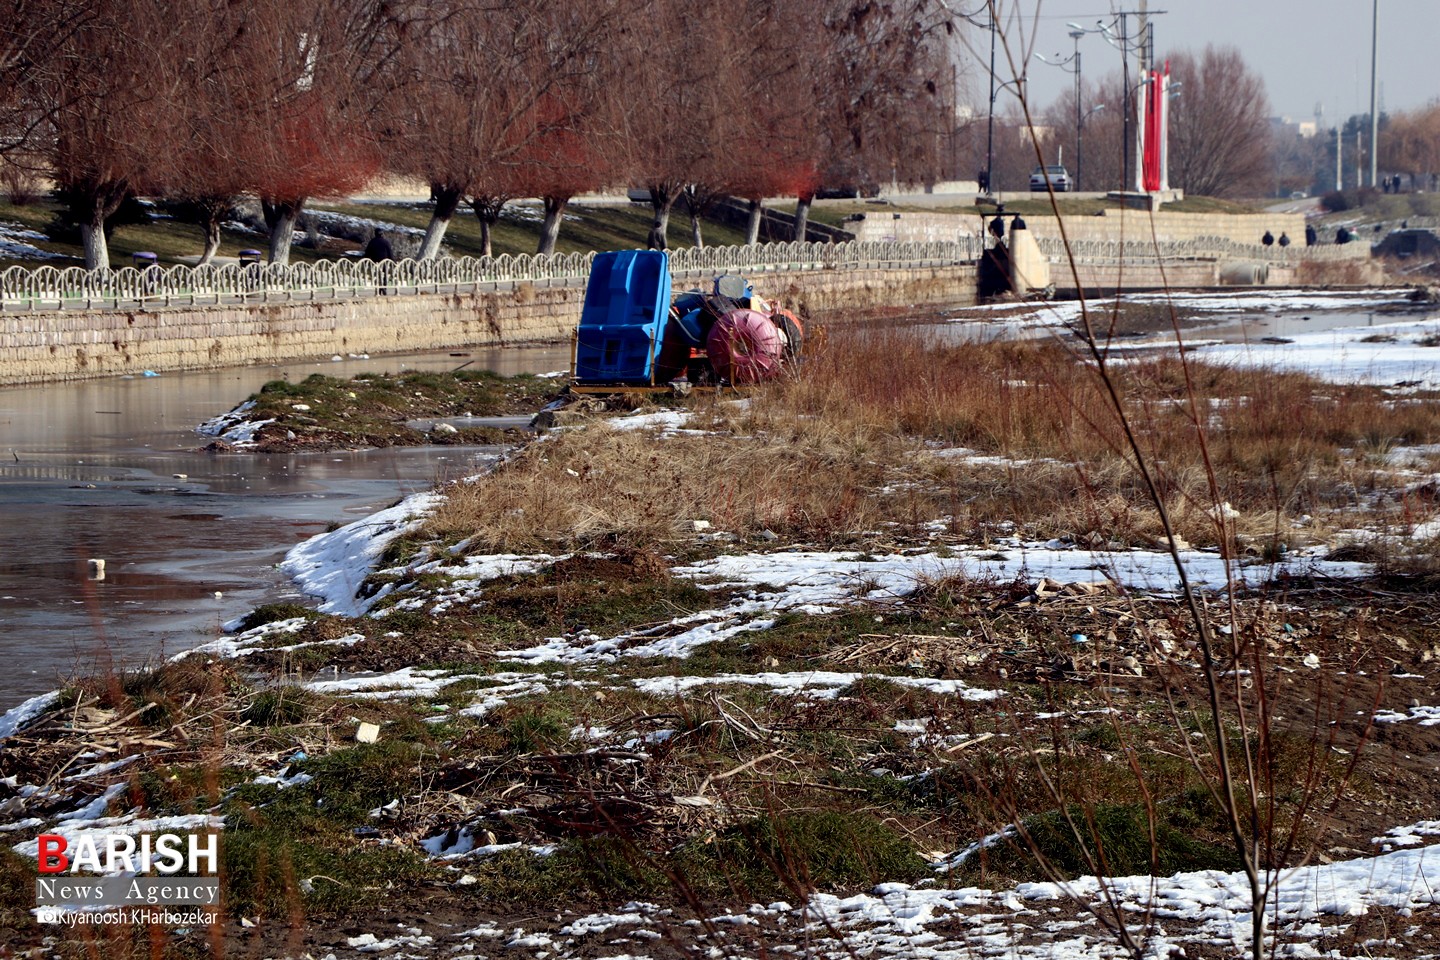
(1080, 140)
(990, 124)
(1065, 64)
(1079, 116)
(1374, 114)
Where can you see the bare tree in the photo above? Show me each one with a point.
(876, 74)
(674, 122)
(777, 126)
(321, 69)
(486, 84)
(95, 93)
(1412, 142)
(202, 169)
(33, 35)
(1098, 150)
(1219, 125)
(487, 209)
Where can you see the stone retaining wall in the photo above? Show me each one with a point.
(1112, 224)
(75, 345)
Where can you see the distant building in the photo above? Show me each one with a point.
(1284, 126)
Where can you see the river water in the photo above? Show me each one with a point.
(113, 470)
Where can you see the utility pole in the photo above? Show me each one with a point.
(1339, 164)
(1145, 49)
(990, 124)
(1359, 158)
(1125, 79)
(1075, 35)
(1374, 113)
(1142, 60)
(1144, 54)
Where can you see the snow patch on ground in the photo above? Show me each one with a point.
(817, 684)
(235, 427)
(333, 565)
(1426, 716)
(405, 682)
(16, 717)
(665, 421)
(14, 243)
(1392, 354)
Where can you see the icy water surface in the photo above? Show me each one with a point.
(112, 470)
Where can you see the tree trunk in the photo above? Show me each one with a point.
(280, 217)
(802, 215)
(487, 212)
(90, 205)
(97, 251)
(447, 200)
(550, 229)
(212, 241)
(696, 238)
(661, 200)
(752, 225)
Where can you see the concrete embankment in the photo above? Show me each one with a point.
(69, 345)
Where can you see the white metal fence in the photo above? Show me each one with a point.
(1101, 252)
(24, 289)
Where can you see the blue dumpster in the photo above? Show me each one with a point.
(622, 325)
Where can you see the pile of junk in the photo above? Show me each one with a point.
(634, 337)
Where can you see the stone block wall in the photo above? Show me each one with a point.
(70, 345)
(1112, 224)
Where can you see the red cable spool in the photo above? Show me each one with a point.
(744, 346)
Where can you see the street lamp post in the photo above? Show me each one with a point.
(989, 7)
(1080, 140)
(1066, 65)
(990, 123)
(1374, 115)
(1075, 35)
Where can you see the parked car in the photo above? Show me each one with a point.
(1058, 176)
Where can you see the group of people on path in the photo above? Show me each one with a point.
(1343, 235)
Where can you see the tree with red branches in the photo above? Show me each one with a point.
(486, 89)
(322, 68)
(675, 120)
(203, 170)
(876, 74)
(777, 127)
(97, 92)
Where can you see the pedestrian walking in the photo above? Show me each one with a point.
(379, 249)
(1268, 239)
(1284, 239)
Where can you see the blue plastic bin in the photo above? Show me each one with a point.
(622, 325)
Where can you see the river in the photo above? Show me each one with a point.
(112, 470)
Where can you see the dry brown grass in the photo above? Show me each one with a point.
(600, 486)
(855, 445)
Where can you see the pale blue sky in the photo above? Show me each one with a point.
(1308, 51)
